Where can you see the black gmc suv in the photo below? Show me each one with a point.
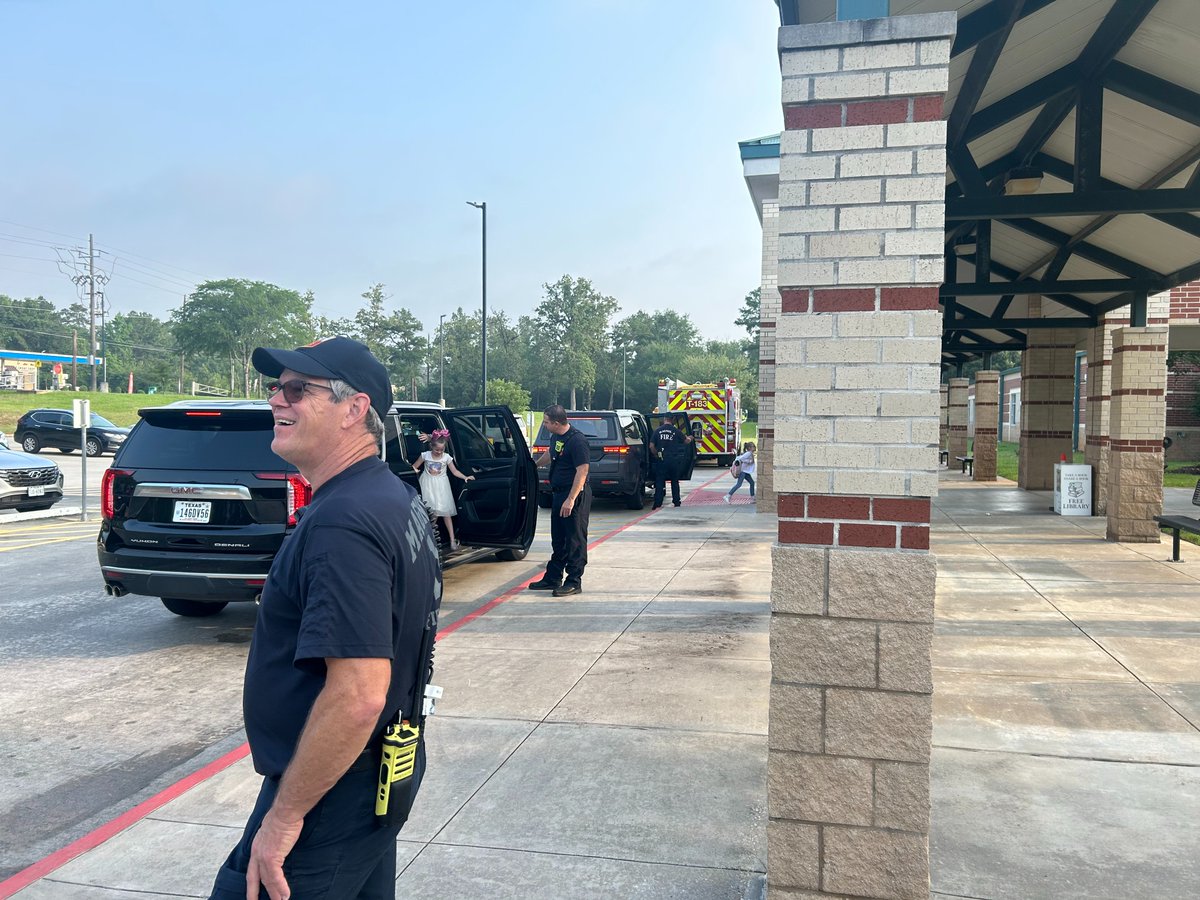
(196, 504)
(620, 456)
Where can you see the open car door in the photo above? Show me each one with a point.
(692, 428)
(499, 508)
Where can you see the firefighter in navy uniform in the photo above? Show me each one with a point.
(669, 448)
(569, 458)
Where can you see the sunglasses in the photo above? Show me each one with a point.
(293, 390)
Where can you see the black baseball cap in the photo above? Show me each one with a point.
(335, 357)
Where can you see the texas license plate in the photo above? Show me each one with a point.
(37, 490)
(192, 511)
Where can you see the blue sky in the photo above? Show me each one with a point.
(330, 146)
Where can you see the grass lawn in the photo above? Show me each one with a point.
(120, 409)
(750, 432)
(1006, 459)
(1176, 478)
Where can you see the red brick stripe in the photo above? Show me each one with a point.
(908, 298)
(766, 323)
(836, 520)
(1137, 392)
(766, 393)
(844, 300)
(892, 111)
(1099, 440)
(1129, 348)
(1046, 434)
(1150, 446)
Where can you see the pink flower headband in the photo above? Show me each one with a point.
(439, 434)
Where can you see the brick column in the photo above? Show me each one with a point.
(1099, 397)
(944, 422)
(862, 184)
(1139, 412)
(987, 412)
(768, 314)
(956, 417)
(1047, 403)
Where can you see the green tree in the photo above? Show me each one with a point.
(395, 338)
(573, 332)
(232, 316)
(35, 325)
(141, 344)
(507, 393)
(750, 313)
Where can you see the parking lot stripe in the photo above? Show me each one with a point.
(46, 542)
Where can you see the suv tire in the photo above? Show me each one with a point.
(94, 447)
(192, 608)
(512, 555)
(30, 443)
(636, 500)
(65, 450)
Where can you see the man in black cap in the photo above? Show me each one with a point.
(337, 654)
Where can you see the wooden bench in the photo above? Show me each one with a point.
(1176, 524)
(968, 462)
(944, 458)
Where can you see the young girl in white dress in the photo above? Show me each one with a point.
(435, 484)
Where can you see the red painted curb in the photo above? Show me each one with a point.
(93, 839)
(90, 841)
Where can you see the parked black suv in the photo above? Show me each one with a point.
(40, 428)
(196, 504)
(620, 455)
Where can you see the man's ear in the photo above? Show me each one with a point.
(356, 410)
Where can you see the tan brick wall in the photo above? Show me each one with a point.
(1047, 403)
(944, 422)
(956, 410)
(1138, 417)
(1099, 397)
(768, 317)
(856, 432)
(987, 412)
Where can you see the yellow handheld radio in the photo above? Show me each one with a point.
(398, 763)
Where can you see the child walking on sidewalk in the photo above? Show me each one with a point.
(435, 484)
(743, 469)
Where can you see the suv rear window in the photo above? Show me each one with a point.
(595, 428)
(174, 440)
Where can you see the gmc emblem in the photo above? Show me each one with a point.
(185, 490)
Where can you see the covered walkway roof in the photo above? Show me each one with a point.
(1094, 105)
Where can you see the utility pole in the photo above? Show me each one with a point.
(92, 308)
(74, 358)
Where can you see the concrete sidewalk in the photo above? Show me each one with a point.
(614, 745)
(1066, 759)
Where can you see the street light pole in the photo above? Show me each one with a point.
(624, 356)
(442, 364)
(482, 207)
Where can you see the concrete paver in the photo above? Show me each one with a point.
(614, 744)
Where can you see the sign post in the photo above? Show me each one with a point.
(81, 415)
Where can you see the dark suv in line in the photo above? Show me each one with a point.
(619, 459)
(196, 504)
(52, 428)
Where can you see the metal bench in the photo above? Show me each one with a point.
(944, 458)
(1176, 524)
(968, 462)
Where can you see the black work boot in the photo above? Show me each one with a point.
(545, 583)
(568, 588)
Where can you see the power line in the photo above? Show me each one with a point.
(35, 228)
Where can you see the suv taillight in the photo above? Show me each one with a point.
(616, 449)
(107, 500)
(538, 451)
(299, 491)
